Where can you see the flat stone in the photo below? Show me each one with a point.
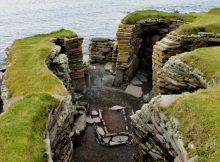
(166, 100)
(134, 91)
(97, 120)
(100, 131)
(111, 143)
(94, 112)
(89, 120)
(117, 108)
(120, 138)
(106, 140)
(108, 80)
(135, 81)
(142, 77)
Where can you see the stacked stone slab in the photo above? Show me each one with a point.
(156, 137)
(73, 50)
(172, 45)
(129, 43)
(101, 50)
(177, 77)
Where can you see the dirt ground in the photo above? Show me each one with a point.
(100, 96)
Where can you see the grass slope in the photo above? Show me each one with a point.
(27, 72)
(22, 129)
(206, 60)
(199, 112)
(23, 125)
(195, 22)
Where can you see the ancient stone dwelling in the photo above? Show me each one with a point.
(102, 108)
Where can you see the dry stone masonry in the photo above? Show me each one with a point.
(156, 137)
(101, 50)
(135, 45)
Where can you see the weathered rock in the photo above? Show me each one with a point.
(89, 120)
(117, 108)
(134, 91)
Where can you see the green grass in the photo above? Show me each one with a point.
(22, 129)
(23, 125)
(136, 16)
(199, 112)
(27, 72)
(206, 60)
(194, 22)
(199, 116)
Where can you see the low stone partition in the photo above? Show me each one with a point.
(101, 50)
(157, 137)
(177, 77)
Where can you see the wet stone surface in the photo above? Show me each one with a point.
(108, 138)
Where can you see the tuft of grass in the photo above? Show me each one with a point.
(194, 22)
(199, 116)
(22, 129)
(27, 72)
(206, 60)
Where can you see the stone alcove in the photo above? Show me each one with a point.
(135, 47)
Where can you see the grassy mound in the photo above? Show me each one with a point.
(199, 112)
(23, 125)
(22, 129)
(195, 22)
(206, 60)
(27, 72)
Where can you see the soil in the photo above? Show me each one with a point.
(101, 96)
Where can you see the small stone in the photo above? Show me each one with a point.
(89, 120)
(120, 138)
(100, 131)
(97, 120)
(135, 81)
(117, 108)
(134, 91)
(146, 97)
(108, 80)
(106, 140)
(94, 112)
(111, 143)
(108, 66)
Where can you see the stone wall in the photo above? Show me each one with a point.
(156, 137)
(177, 77)
(65, 123)
(72, 47)
(101, 50)
(68, 120)
(135, 46)
(174, 44)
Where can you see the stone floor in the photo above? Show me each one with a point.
(106, 138)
